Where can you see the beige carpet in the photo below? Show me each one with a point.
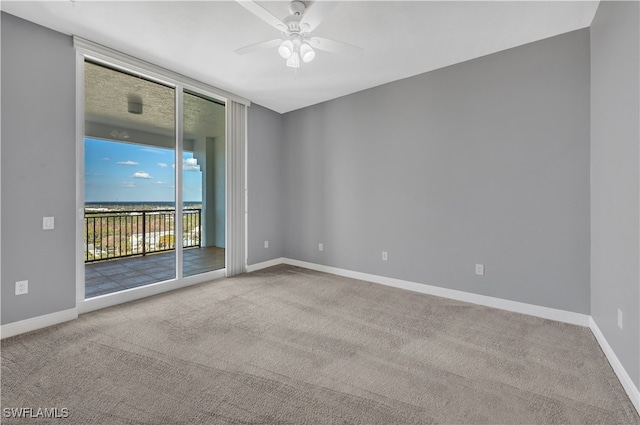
(289, 345)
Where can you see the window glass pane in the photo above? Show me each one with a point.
(204, 171)
(129, 224)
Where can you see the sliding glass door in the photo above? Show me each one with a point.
(135, 233)
(129, 148)
(203, 184)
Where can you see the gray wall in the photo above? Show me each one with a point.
(264, 184)
(482, 162)
(38, 172)
(38, 169)
(615, 139)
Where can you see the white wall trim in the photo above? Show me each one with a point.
(514, 306)
(623, 376)
(80, 130)
(39, 322)
(28, 325)
(265, 264)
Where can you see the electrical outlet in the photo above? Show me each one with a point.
(620, 318)
(266, 244)
(480, 269)
(22, 287)
(321, 247)
(385, 256)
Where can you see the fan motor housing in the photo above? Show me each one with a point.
(297, 8)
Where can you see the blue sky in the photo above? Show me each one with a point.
(127, 172)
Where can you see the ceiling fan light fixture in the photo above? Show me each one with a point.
(286, 49)
(295, 43)
(294, 60)
(307, 53)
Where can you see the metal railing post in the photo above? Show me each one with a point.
(86, 233)
(144, 235)
(199, 228)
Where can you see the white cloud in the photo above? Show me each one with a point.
(190, 164)
(106, 158)
(128, 163)
(128, 184)
(162, 165)
(159, 182)
(141, 175)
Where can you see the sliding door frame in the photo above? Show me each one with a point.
(89, 51)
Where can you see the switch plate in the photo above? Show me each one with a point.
(22, 287)
(266, 244)
(385, 256)
(480, 269)
(320, 246)
(620, 318)
(47, 223)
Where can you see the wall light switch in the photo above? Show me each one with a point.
(47, 223)
(266, 244)
(22, 287)
(385, 256)
(480, 269)
(320, 247)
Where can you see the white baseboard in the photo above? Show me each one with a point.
(265, 264)
(28, 325)
(623, 376)
(46, 320)
(514, 306)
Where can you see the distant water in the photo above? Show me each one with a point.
(138, 205)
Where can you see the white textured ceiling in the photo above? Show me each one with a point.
(400, 39)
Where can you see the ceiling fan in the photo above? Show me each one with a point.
(296, 43)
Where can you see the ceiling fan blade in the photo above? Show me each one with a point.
(315, 13)
(263, 14)
(263, 45)
(333, 46)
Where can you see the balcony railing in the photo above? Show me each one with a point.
(116, 234)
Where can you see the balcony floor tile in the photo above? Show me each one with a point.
(110, 276)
